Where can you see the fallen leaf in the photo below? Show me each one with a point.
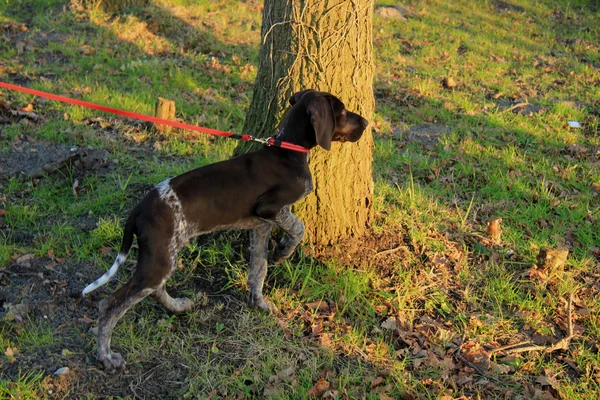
(74, 187)
(376, 381)
(383, 389)
(500, 369)
(319, 305)
(66, 353)
(448, 82)
(494, 230)
(331, 394)
(537, 274)
(25, 258)
(319, 388)
(542, 340)
(283, 375)
(478, 356)
(272, 391)
(317, 329)
(20, 46)
(87, 50)
(326, 340)
(10, 354)
(86, 320)
(390, 324)
(29, 108)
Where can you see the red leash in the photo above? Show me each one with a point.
(271, 141)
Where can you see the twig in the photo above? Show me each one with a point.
(518, 105)
(525, 349)
(388, 251)
(562, 344)
(569, 311)
(509, 346)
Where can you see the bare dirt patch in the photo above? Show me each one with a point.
(31, 159)
(40, 295)
(427, 135)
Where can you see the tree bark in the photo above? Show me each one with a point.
(325, 45)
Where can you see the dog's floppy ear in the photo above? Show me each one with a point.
(322, 118)
(298, 95)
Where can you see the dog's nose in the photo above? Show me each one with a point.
(364, 122)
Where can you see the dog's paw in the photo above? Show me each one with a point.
(282, 253)
(112, 362)
(262, 304)
(182, 305)
(271, 307)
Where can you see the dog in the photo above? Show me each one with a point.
(253, 191)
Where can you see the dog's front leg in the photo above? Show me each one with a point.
(294, 232)
(259, 239)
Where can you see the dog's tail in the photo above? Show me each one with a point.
(121, 257)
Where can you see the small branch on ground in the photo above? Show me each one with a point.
(381, 253)
(562, 344)
(518, 105)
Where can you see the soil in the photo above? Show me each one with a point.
(32, 159)
(427, 135)
(376, 251)
(45, 292)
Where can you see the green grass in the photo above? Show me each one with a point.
(501, 148)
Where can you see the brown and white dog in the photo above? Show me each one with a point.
(253, 191)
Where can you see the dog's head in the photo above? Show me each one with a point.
(329, 117)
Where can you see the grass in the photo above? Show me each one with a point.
(447, 161)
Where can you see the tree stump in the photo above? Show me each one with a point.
(164, 109)
(552, 259)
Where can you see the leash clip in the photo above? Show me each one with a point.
(261, 140)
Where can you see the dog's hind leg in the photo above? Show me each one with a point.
(152, 270)
(294, 232)
(257, 271)
(111, 311)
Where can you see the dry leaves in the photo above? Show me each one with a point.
(283, 376)
(476, 355)
(86, 320)
(493, 229)
(319, 389)
(11, 353)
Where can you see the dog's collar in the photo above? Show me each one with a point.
(277, 141)
(273, 141)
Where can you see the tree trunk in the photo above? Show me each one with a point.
(324, 45)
